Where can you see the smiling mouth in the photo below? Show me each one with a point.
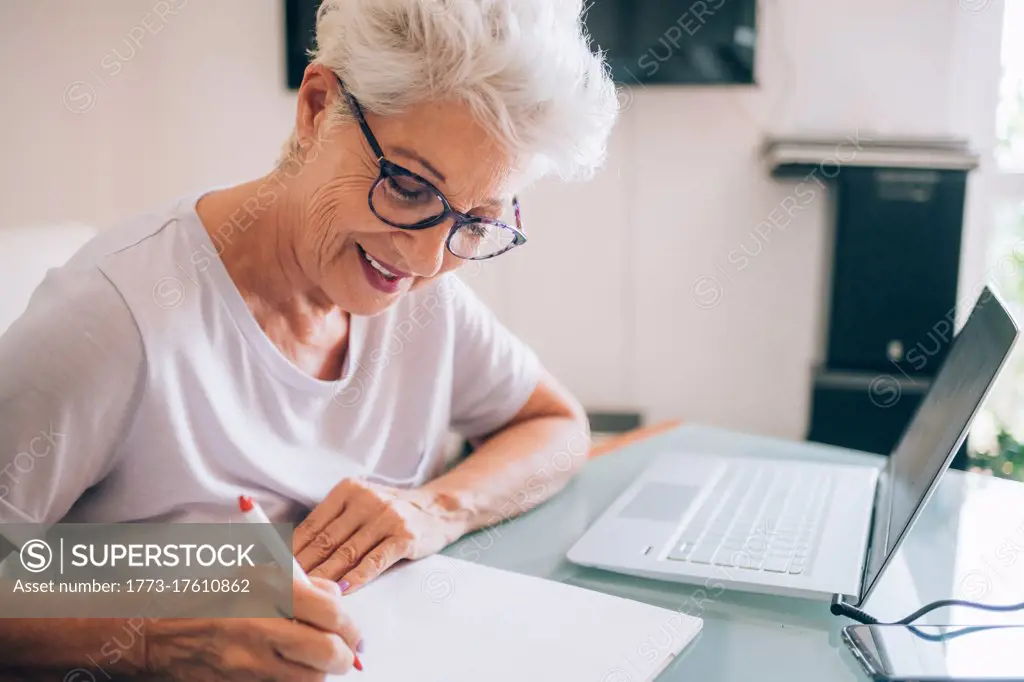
(378, 266)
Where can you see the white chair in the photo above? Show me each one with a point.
(26, 254)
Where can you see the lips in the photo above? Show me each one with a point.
(384, 268)
(381, 275)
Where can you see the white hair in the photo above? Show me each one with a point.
(524, 67)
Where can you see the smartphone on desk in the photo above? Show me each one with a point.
(938, 653)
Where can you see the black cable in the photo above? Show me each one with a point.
(840, 608)
(952, 634)
(942, 603)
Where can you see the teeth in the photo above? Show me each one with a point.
(378, 267)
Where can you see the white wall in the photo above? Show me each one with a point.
(606, 289)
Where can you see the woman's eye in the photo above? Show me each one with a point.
(477, 229)
(407, 190)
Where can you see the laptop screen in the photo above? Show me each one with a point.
(939, 427)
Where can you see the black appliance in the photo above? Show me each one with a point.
(898, 207)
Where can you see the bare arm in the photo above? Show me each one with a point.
(521, 465)
(50, 648)
(320, 639)
(363, 528)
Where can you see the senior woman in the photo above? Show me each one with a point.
(301, 338)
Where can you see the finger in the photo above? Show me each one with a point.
(254, 655)
(328, 586)
(380, 559)
(324, 610)
(277, 669)
(273, 667)
(334, 535)
(313, 648)
(348, 556)
(325, 512)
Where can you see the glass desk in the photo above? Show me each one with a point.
(968, 543)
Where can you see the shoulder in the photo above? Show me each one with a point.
(135, 234)
(95, 304)
(76, 322)
(152, 261)
(79, 340)
(73, 365)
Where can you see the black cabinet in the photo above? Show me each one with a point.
(894, 280)
(898, 207)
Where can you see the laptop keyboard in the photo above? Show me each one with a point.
(759, 518)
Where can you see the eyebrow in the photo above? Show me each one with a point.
(410, 154)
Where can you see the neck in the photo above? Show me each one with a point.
(253, 226)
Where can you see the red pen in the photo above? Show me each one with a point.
(253, 513)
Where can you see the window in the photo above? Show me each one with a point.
(1010, 111)
(997, 440)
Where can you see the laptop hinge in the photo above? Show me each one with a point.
(866, 560)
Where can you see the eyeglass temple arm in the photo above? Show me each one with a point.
(357, 111)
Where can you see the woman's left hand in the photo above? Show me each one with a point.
(362, 528)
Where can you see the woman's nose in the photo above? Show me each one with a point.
(423, 250)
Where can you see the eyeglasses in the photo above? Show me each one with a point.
(409, 201)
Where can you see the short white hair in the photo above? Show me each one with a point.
(524, 67)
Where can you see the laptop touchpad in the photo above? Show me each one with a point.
(660, 502)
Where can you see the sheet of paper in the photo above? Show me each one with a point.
(445, 620)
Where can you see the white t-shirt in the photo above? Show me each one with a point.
(139, 387)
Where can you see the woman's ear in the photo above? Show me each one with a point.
(316, 96)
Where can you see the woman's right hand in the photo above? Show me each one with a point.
(319, 641)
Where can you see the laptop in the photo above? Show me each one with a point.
(780, 524)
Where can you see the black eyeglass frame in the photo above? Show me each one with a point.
(391, 169)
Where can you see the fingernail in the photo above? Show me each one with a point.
(359, 647)
(343, 585)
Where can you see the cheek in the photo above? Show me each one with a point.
(334, 212)
(332, 202)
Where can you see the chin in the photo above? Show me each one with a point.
(350, 288)
(354, 295)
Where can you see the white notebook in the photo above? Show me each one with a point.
(445, 620)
